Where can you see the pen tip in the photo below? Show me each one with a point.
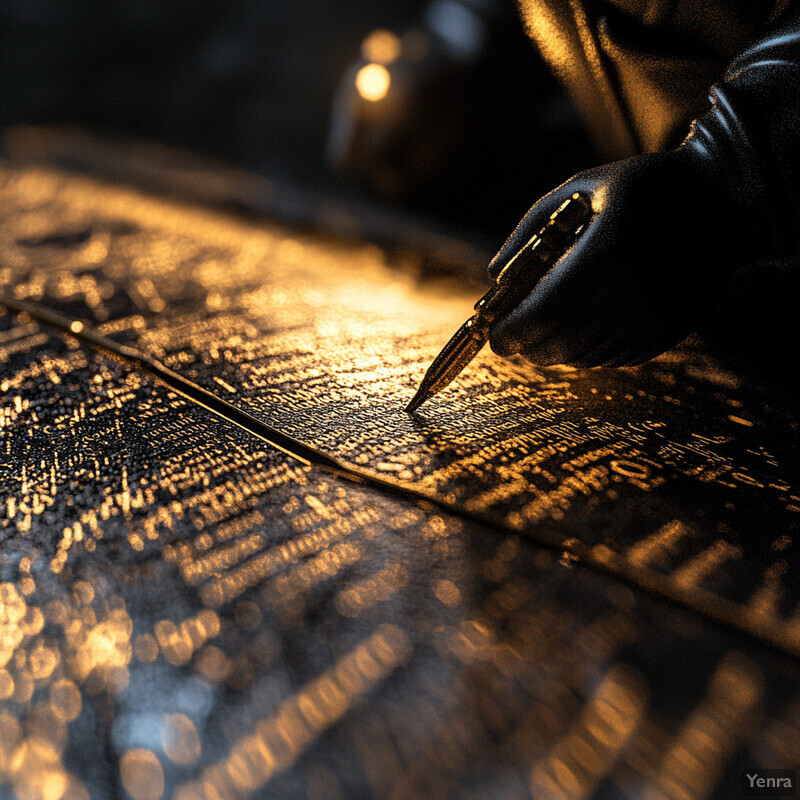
(415, 403)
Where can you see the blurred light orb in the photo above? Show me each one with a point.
(381, 46)
(373, 81)
(180, 739)
(142, 775)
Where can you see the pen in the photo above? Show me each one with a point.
(517, 278)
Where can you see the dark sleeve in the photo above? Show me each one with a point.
(751, 137)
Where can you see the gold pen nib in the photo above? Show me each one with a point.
(416, 401)
(520, 274)
(457, 353)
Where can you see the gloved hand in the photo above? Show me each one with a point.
(660, 240)
(669, 227)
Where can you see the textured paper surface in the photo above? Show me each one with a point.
(188, 611)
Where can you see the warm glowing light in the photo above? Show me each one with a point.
(142, 775)
(65, 700)
(6, 684)
(180, 739)
(105, 651)
(146, 648)
(12, 611)
(53, 785)
(447, 592)
(10, 733)
(381, 46)
(300, 719)
(178, 642)
(373, 82)
(213, 663)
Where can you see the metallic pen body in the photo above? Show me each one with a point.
(517, 278)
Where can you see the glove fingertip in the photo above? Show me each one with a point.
(502, 341)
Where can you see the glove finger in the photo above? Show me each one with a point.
(605, 354)
(570, 346)
(525, 329)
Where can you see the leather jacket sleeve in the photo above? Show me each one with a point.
(669, 228)
(751, 138)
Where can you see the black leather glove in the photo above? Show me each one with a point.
(669, 227)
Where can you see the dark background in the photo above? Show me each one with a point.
(253, 83)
